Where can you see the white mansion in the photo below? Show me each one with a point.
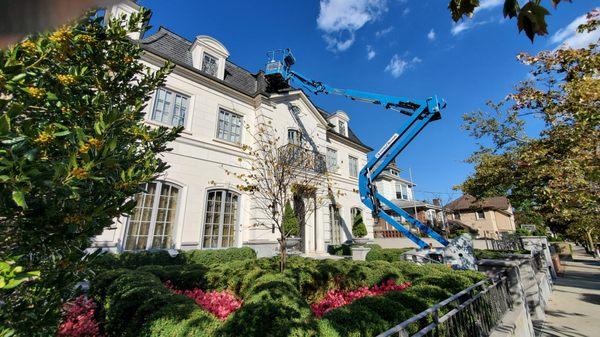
(195, 204)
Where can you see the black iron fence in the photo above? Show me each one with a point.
(473, 312)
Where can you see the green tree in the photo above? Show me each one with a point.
(359, 230)
(531, 17)
(554, 175)
(290, 221)
(73, 152)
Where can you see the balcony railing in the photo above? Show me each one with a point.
(303, 158)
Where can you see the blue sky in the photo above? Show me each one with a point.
(405, 48)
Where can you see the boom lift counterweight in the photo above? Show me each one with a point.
(421, 112)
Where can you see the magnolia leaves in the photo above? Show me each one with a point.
(460, 8)
(531, 18)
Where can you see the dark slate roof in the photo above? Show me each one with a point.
(351, 135)
(469, 202)
(176, 48)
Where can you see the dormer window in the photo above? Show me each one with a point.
(209, 56)
(210, 65)
(342, 127)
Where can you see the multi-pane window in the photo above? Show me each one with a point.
(335, 227)
(342, 127)
(402, 191)
(480, 214)
(170, 107)
(230, 126)
(353, 166)
(220, 219)
(151, 224)
(331, 160)
(294, 137)
(210, 64)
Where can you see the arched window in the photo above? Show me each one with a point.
(153, 218)
(354, 211)
(221, 219)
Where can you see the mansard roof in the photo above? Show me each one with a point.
(176, 49)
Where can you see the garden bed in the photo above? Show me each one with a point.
(250, 297)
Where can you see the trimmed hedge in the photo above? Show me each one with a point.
(133, 260)
(136, 303)
(386, 254)
(217, 256)
(498, 254)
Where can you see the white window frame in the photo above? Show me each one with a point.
(331, 160)
(353, 167)
(235, 225)
(238, 138)
(342, 127)
(297, 134)
(174, 94)
(216, 64)
(477, 215)
(154, 213)
(335, 225)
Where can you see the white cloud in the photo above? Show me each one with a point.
(458, 28)
(568, 37)
(383, 32)
(488, 4)
(465, 25)
(398, 66)
(370, 53)
(431, 35)
(340, 19)
(406, 11)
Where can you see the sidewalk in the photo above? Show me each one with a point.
(574, 308)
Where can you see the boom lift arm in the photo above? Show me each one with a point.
(421, 112)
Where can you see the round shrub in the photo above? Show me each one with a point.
(367, 316)
(431, 294)
(452, 282)
(272, 307)
(181, 318)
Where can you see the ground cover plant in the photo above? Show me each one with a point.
(251, 297)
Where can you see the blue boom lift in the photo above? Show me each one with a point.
(459, 252)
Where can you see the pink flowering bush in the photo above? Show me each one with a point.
(337, 298)
(219, 303)
(78, 319)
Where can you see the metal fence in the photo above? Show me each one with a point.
(473, 312)
(508, 242)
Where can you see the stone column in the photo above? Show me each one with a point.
(319, 229)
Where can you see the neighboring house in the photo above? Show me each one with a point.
(490, 217)
(400, 192)
(195, 204)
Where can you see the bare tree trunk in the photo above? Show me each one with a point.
(282, 254)
(590, 241)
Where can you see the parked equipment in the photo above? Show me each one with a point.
(421, 112)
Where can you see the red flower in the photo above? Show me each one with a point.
(337, 298)
(219, 303)
(78, 319)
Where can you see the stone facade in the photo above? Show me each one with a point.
(196, 204)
